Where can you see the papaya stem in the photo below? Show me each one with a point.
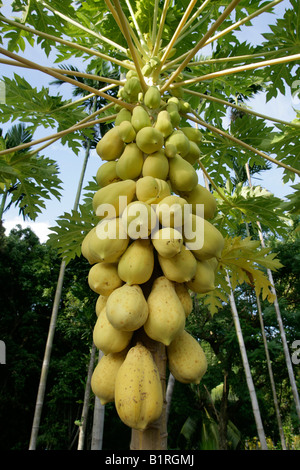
(161, 27)
(201, 43)
(240, 108)
(215, 130)
(143, 44)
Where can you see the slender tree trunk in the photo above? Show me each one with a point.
(223, 417)
(49, 343)
(86, 400)
(279, 319)
(98, 421)
(250, 384)
(169, 393)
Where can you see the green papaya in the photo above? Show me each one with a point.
(126, 131)
(174, 114)
(193, 154)
(130, 163)
(182, 174)
(164, 124)
(140, 118)
(149, 139)
(192, 134)
(123, 115)
(106, 174)
(203, 239)
(156, 165)
(133, 87)
(201, 195)
(113, 199)
(170, 150)
(110, 146)
(152, 97)
(181, 142)
(151, 190)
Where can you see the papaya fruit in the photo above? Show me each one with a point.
(170, 150)
(126, 131)
(181, 142)
(110, 146)
(130, 163)
(132, 88)
(140, 118)
(192, 134)
(152, 97)
(203, 280)
(126, 308)
(139, 220)
(186, 359)
(136, 264)
(85, 250)
(182, 174)
(166, 316)
(179, 268)
(104, 376)
(200, 195)
(172, 109)
(107, 338)
(193, 154)
(123, 115)
(103, 278)
(149, 139)
(138, 389)
(109, 241)
(106, 174)
(111, 200)
(163, 123)
(167, 241)
(156, 165)
(171, 211)
(100, 303)
(184, 297)
(210, 243)
(151, 190)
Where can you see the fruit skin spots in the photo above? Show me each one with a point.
(145, 272)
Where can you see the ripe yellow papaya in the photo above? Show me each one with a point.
(109, 241)
(181, 142)
(192, 134)
(140, 118)
(182, 174)
(179, 268)
(167, 241)
(211, 239)
(110, 146)
(193, 154)
(172, 210)
(107, 338)
(123, 115)
(152, 97)
(104, 376)
(151, 190)
(200, 195)
(100, 304)
(126, 308)
(149, 139)
(138, 390)
(156, 165)
(126, 132)
(166, 316)
(203, 280)
(111, 200)
(85, 250)
(103, 278)
(130, 163)
(106, 174)
(137, 263)
(163, 123)
(139, 219)
(186, 359)
(184, 297)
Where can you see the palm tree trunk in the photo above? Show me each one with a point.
(49, 343)
(86, 400)
(279, 320)
(250, 384)
(98, 421)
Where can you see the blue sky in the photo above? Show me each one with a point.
(70, 164)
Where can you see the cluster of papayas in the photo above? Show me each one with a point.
(150, 248)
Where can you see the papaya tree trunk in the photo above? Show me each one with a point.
(155, 436)
(169, 394)
(98, 421)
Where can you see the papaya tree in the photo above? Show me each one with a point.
(181, 68)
